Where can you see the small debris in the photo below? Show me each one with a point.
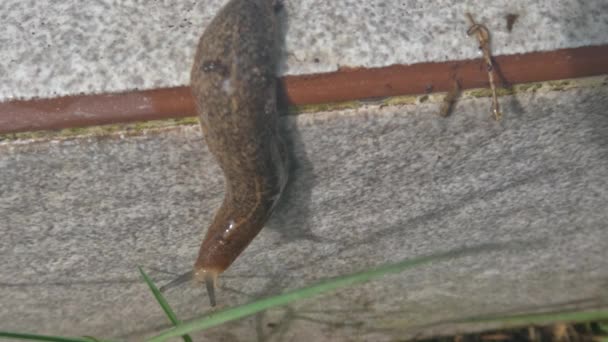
(511, 18)
(495, 337)
(533, 335)
(564, 333)
(558, 332)
(448, 102)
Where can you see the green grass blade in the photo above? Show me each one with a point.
(163, 302)
(325, 286)
(34, 337)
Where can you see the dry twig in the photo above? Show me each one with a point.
(483, 36)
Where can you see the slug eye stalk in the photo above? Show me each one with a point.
(210, 285)
(209, 277)
(181, 279)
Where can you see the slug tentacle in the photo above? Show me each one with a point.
(210, 280)
(234, 87)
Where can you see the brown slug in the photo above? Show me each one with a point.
(233, 83)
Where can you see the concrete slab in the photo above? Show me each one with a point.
(49, 49)
(369, 186)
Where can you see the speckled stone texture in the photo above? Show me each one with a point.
(527, 198)
(50, 48)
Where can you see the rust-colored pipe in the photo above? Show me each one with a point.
(342, 85)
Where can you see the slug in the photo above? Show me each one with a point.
(233, 83)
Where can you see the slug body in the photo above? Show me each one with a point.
(234, 87)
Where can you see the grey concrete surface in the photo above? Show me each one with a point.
(50, 48)
(378, 184)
